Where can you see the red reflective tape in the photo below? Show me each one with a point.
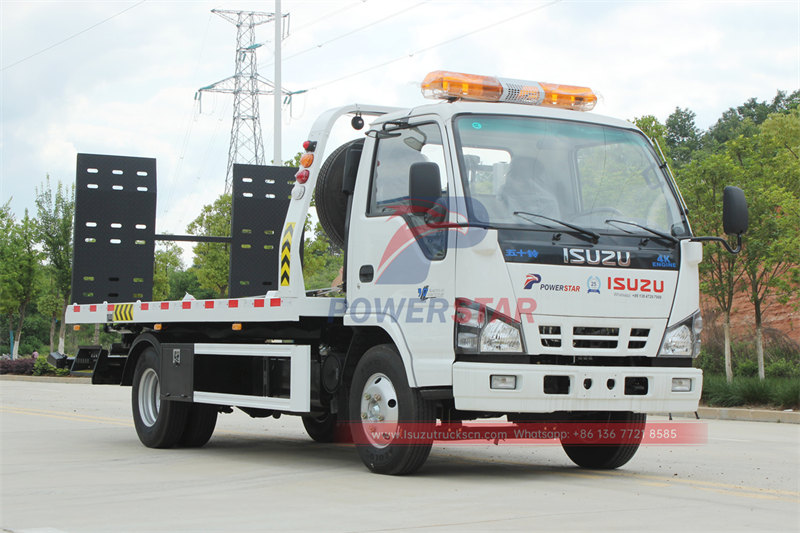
(258, 303)
(111, 307)
(186, 305)
(145, 307)
(92, 308)
(77, 308)
(164, 305)
(275, 302)
(209, 304)
(233, 303)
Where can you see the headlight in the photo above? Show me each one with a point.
(480, 329)
(683, 339)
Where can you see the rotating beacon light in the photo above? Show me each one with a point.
(459, 86)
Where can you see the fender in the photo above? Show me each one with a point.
(142, 341)
(389, 325)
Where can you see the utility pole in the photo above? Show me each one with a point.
(246, 85)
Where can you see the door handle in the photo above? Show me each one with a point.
(366, 273)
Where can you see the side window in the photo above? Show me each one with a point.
(393, 160)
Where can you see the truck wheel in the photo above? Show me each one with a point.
(380, 398)
(331, 202)
(200, 424)
(321, 428)
(159, 424)
(609, 456)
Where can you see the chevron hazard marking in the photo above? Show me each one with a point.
(123, 313)
(286, 253)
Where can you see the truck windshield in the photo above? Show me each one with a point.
(588, 175)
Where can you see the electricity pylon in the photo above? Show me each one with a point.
(246, 85)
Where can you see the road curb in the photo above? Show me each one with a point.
(47, 379)
(750, 415)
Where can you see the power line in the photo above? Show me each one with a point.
(442, 43)
(351, 32)
(72, 36)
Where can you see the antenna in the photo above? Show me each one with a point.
(246, 85)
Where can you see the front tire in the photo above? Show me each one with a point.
(628, 426)
(159, 423)
(381, 397)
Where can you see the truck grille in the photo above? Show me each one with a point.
(593, 337)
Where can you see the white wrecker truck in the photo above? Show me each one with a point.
(506, 253)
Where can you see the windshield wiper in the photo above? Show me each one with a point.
(651, 230)
(595, 236)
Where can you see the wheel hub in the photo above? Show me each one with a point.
(379, 410)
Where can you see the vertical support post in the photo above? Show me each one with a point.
(276, 133)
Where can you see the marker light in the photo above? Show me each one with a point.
(455, 85)
(310, 146)
(306, 160)
(302, 175)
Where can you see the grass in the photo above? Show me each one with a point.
(783, 393)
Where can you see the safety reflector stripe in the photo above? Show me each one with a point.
(286, 253)
(123, 312)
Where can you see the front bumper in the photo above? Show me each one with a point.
(550, 388)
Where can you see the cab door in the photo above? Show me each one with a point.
(400, 268)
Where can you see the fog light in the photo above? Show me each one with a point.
(503, 382)
(681, 384)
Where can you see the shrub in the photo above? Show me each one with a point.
(747, 368)
(23, 367)
(42, 368)
(778, 392)
(782, 368)
(786, 394)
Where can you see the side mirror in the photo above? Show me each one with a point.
(424, 186)
(734, 211)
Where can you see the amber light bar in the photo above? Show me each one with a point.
(459, 86)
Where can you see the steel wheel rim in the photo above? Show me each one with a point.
(149, 397)
(379, 410)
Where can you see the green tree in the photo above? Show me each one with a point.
(167, 261)
(772, 255)
(211, 260)
(19, 262)
(322, 260)
(50, 302)
(682, 136)
(702, 181)
(54, 230)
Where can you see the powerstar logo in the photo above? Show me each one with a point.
(584, 256)
(531, 280)
(663, 261)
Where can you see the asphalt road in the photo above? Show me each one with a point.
(71, 461)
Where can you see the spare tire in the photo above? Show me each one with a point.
(331, 202)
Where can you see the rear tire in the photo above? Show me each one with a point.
(380, 394)
(609, 456)
(200, 424)
(321, 428)
(159, 423)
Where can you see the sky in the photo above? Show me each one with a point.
(120, 77)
